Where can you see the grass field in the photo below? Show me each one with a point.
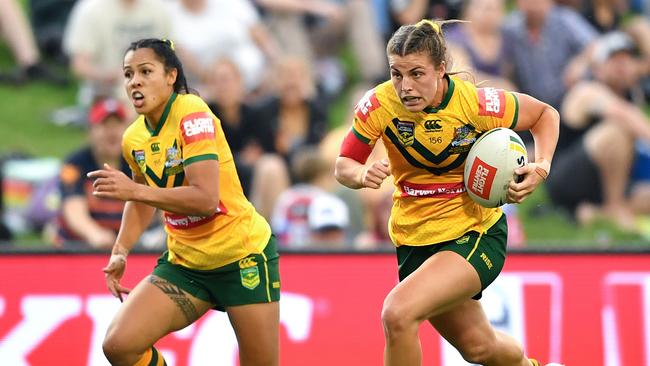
(24, 117)
(26, 129)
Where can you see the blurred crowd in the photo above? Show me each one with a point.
(271, 71)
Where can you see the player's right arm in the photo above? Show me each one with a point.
(350, 168)
(135, 219)
(355, 175)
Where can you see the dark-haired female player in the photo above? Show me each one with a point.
(221, 253)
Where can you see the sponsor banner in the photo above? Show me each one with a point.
(574, 309)
(439, 190)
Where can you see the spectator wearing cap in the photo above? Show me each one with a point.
(603, 173)
(328, 219)
(84, 217)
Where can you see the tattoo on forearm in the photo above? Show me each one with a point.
(178, 296)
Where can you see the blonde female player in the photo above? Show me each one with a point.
(449, 249)
(221, 253)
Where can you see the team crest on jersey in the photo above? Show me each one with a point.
(138, 155)
(367, 104)
(250, 277)
(464, 136)
(405, 132)
(173, 161)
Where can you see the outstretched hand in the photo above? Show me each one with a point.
(112, 183)
(113, 272)
(532, 175)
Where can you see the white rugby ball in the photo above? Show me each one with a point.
(490, 166)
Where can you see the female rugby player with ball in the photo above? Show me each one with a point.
(449, 248)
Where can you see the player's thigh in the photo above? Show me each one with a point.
(464, 326)
(153, 309)
(444, 280)
(437, 277)
(257, 329)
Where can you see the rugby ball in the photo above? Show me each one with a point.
(490, 166)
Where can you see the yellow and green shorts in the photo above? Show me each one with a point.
(251, 280)
(486, 252)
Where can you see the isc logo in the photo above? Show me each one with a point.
(432, 125)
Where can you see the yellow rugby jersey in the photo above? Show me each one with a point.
(427, 152)
(188, 132)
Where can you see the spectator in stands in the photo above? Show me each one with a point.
(376, 236)
(15, 28)
(369, 208)
(327, 218)
(411, 11)
(478, 45)
(548, 46)
(48, 18)
(297, 116)
(605, 173)
(96, 36)
(316, 30)
(612, 15)
(207, 30)
(84, 217)
(290, 220)
(247, 132)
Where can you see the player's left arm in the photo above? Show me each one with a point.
(200, 197)
(543, 122)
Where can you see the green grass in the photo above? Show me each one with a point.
(25, 126)
(545, 227)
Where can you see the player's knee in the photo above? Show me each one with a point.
(115, 349)
(476, 353)
(396, 318)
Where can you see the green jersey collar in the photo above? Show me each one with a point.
(445, 100)
(163, 117)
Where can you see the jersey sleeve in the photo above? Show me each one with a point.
(365, 125)
(496, 108)
(198, 133)
(363, 134)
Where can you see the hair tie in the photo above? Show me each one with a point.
(434, 25)
(170, 43)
